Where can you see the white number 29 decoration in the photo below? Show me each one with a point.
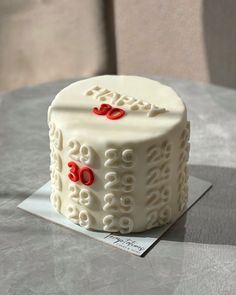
(114, 181)
(81, 153)
(124, 224)
(80, 196)
(113, 203)
(116, 158)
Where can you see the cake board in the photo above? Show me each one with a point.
(136, 243)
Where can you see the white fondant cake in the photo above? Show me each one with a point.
(119, 152)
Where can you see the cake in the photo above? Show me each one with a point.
(119, 151)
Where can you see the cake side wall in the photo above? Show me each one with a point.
(135, 186)
(183, 171)
(164, 165)
(125, 175)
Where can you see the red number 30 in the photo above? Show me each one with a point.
(109, 111)
(77, 174)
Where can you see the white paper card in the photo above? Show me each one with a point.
(138, 243)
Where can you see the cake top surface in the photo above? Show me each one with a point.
(151, 108)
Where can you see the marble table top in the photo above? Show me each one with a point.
(196, 256)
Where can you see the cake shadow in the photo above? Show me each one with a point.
(212, 218)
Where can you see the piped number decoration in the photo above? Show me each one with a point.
(110, 112)
(85, 174)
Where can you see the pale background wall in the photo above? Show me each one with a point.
(44, 40)
(167, 38)
(190, 39)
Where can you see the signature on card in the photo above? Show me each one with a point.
(125, 243)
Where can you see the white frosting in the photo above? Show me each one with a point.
(138, 161)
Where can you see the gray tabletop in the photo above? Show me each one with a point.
(196, 256)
